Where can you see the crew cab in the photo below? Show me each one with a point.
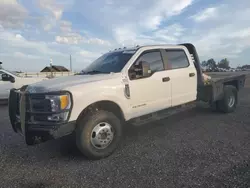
(9, 80)
(136, 85)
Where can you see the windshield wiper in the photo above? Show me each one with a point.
(95, 72)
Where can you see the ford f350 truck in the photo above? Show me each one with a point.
(136, 85)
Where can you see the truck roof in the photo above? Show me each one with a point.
(138, 47)
(162, 45)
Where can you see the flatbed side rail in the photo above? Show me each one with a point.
(214, 91)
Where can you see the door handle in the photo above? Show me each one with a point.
(165, 79)
(191, 74)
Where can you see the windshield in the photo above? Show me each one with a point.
(110, 62)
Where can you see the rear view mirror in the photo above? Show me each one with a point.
(8, 78)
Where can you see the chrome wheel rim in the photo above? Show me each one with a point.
(102, 135)
(231, 101)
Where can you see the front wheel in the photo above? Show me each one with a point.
(98, 134)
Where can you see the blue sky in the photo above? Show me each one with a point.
(32, 32)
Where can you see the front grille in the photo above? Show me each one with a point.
(40, 118)
(38, 103)
(41, 105)
(37, 107)
(39, 111)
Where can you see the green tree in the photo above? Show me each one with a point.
(211, 64)
(204, 63)
(246, 66)
(224, 63)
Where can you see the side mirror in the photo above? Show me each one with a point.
(143, 69)
(146, 71)
(8, 78)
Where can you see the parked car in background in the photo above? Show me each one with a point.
(9, 80)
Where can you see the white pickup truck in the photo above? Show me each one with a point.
(138, 85)
(9, 80)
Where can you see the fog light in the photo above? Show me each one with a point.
(58, 117)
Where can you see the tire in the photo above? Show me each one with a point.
(230, 99)
(214, 106)
(87, 134)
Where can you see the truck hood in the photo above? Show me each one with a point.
(21, 81)
(62, 83)
(32, 79)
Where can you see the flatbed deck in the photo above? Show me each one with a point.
(221, 75)
(215, 90)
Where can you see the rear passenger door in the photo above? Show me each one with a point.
(182, 73)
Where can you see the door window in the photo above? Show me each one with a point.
(176, 59)
(154, 60)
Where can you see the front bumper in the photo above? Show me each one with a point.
(33, 132)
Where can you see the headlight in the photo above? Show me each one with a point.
(60, 104)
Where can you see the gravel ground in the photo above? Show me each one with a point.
(196, 148)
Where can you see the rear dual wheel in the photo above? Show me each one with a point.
(229, 101)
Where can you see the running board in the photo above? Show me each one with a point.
(162, 114)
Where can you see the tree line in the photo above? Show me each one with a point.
(224, 64)
(211, 64)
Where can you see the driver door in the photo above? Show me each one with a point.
(5, 87)
(152, 93)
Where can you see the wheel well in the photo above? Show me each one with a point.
(103, 105)
(232, 83)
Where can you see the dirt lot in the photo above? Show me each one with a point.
(197, 148)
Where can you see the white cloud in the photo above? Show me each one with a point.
(65, 26)
(89, 54)
(12, 14)
(75, 38)
(54, 11)
(222, 35)
(70, 38)
(47, 27)
(25, 56)
(19, 37)
(52, 6)
(206, 14)
(166, 35)
(98, 41)
(128, 19)
(152, 17)
(218, 31)
(241, 34)
(214, 35)
(14, 42)
(124, 35)
(170, 33)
